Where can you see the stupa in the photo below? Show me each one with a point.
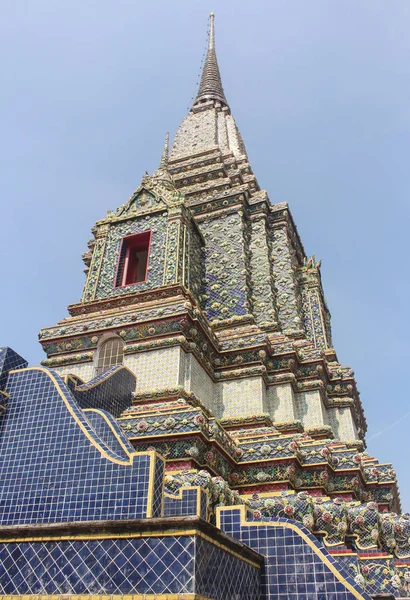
(191, 433)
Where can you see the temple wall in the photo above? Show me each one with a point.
(342, 423)
(310, 410)
(85, 371)
(287, 295)
(242, 397)
(156, 369)
(281, 403)
(172, 367)
(199, 382)
(263, 306)
(226, 293)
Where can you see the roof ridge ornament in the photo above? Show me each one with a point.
(163, 165)
(210, 86)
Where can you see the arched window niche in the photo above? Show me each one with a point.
(110, 353)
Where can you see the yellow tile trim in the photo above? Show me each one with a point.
(99, 536)
(179, 495)
(141, 416)
(150, 499)
(228, 550)
(105, 597)
(293, 527)
(104, 416)
(269, 494)
(389, 556)
(177, 471)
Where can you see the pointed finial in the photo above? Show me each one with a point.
(211, 44)
(164, 158)
(210, 87)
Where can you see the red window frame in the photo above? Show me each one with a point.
(136, 241)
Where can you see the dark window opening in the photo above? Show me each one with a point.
(133, 262)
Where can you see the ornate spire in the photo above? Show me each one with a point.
(210, 87)
(164, 158)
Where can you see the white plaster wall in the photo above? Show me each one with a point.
(281, 403)
(342, 424)
(198, 381)
(310, 410)
(85, 371)
(156, 369)
(243, 397)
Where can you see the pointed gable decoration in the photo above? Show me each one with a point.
(154, 194)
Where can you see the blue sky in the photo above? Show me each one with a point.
(320, 91)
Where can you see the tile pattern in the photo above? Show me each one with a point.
(104, 424)
(378, 574)
(244, 397)
(183, 505)
(158, 489)
(288, 302)
(155, 369)
(293, 569)
(226, 279)
(58, 469)
(199, 382)
(316, 316)
(263, 306)
(9, 360)
(281, 403)
(310, 410)
(109, 566)
(342, 423)
(153, 565)
(84, 371)
(111, 390)
(221, 575)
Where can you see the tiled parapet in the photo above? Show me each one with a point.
(338, 521)
(296, 564)
(335, 522)
(377, 572)
(68, 471)
(111, 391)
(156, 558)
(185, 501)
(9, 360)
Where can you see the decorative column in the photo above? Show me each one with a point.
(285, 261)
(316, 316)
